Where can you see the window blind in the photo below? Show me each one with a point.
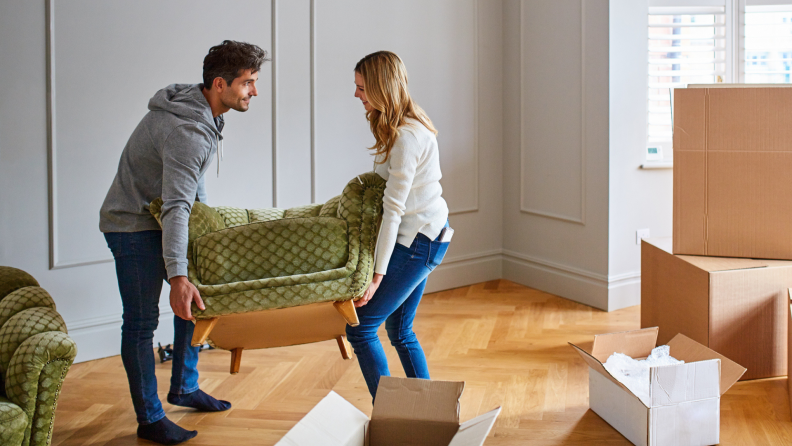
(687, 45)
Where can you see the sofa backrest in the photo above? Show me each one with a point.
(26, 309)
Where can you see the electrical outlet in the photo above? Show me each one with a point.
(641, 234)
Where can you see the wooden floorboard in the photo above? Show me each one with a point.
(507, 341)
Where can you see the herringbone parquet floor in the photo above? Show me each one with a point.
(507, 341)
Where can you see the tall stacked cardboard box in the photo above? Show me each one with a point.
(732, 163)
(732, 212)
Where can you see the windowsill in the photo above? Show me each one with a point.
(651, 165)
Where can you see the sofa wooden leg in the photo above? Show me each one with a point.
(236, 360)
(202, 329)
(347, 310)
(343, 345)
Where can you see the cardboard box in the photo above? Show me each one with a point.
(406, 412)
(732, 157)
(684, 399)
(736, 307)
(789, 342)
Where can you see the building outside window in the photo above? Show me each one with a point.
(710, 41)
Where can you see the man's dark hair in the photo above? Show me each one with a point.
(229, 59)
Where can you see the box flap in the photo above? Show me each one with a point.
(634, 343)
(333, 422)
(688, 350)
(395, 432)
(475, 431)
(417, 399)
(714, 264)
(599, 368)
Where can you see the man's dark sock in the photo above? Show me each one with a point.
(199, 400)
(164, 431)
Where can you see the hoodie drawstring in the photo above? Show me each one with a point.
(219, 153)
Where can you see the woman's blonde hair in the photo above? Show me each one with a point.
(385, 85)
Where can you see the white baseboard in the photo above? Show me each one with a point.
(624, 291)
(583, 287)
(101, 337)
(595, 290)
(466, 270)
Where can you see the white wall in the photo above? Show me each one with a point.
(574, 137)
(540, 106)
(304, 137)
(555, 160)
(638, 198)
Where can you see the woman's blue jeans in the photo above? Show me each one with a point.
(395, 303)
(141, 270)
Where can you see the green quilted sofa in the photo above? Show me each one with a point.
(35, 354)
(249, 260)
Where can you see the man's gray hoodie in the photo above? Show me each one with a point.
(166, 156)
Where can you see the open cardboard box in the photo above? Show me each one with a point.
(684, 399)
(406, 412)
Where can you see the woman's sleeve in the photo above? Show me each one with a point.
(403, 161)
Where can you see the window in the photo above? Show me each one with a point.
(687, 45)
(767, 34)
(709, 41)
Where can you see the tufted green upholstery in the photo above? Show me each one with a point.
(12, 279)
(259, 215)
(244, 260)
(13, 422)
(271, 249)
(35, 354)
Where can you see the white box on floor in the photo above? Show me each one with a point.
(406, 412)
(684, 399)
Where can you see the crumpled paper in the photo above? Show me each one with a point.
(634, 373)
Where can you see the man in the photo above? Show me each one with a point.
(167, 156)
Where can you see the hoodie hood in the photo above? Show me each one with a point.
(187, 102)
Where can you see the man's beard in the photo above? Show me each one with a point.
(239, 105)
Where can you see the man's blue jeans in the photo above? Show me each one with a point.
(141, 270)
(395, 303)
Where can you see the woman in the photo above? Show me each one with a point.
(414, 235)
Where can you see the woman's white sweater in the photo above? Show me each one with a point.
(412, 202)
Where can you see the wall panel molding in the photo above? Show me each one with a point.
(111, 319)
(313, 100)
(72, 239)
(476, 115)
(472, 207)
(524, 207)
(52, 153)
(274, 53)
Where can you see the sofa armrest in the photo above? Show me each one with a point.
(34, 378)
(361, 206)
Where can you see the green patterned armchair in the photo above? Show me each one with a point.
(35, 354)
(246, 261)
